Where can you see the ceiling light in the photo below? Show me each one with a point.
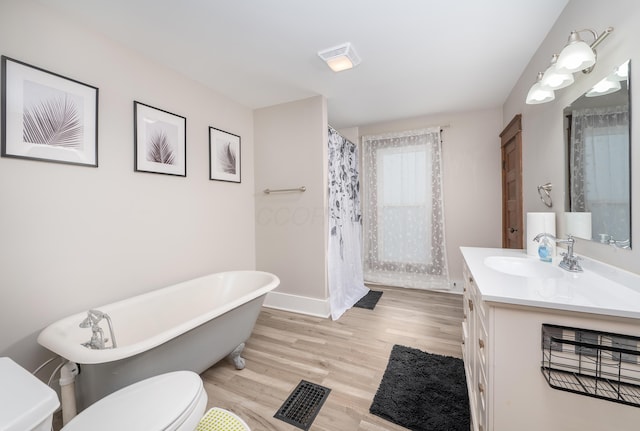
(341, 57)
(539, 93)
(555, 78)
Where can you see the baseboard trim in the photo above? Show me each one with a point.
(298, 304)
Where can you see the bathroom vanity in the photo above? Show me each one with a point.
(508, 297)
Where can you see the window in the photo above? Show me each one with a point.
(404, 228)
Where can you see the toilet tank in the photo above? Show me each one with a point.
(26, 404)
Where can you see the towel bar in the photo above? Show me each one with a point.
(298, 189)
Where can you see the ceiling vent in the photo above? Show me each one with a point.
(341, 57)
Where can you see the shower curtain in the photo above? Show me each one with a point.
(346, 282)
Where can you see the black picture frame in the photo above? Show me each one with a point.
(160, 141)
(224, 156)
(47, 117)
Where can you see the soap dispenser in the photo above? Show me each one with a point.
(545, 249)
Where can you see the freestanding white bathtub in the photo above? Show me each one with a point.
(186, 326)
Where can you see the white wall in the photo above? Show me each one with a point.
(472, 177)
(76, 237)
(291, 228)
(542, 135)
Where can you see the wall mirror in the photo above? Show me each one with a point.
(598, 145)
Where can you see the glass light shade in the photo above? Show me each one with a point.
(539, 94)
(556, 79)
(577, 55)
(340, 63)
(606, 86)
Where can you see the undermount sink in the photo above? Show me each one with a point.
(523, 267)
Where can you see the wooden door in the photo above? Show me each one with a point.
(512, 223)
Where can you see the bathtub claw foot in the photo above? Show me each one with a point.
(235, 357)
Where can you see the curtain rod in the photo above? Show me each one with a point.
(413, 132)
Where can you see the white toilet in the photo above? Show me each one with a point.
(169, 402)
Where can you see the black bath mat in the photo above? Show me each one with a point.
(303, 405)
(369, 300)
(423, 391)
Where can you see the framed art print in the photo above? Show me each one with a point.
(48, 117)
(224, 156)
(160, 141)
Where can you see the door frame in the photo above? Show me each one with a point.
(511, 132)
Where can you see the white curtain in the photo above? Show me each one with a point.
(346, 284)
(599, 168)
(404, 242)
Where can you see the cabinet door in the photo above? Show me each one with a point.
(482, 370)
(476, 353)
(469, 351)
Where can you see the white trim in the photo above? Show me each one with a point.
(298, 304)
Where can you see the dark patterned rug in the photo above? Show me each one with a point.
(423, 392)
(369, 300)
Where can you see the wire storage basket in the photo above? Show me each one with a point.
(594, 363)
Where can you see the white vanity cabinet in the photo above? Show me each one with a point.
(475, 347)
(502, 352)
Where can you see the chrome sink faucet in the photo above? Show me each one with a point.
(569, 260)
(98, 340)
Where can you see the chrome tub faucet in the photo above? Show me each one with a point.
(98, 339)
(569, 259)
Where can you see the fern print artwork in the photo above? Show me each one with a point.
(159, 145)
(52, 117)
(224, 156)
(227, 155)
(159, 150)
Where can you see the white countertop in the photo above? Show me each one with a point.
(600, 289)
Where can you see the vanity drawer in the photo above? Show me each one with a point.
(481, 400)
(481, 341)
(467, 352)
(473, 293)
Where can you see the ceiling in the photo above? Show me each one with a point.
(419, 57)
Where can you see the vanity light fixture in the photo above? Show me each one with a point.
(539, 93)
(576, 55)
(341, 57)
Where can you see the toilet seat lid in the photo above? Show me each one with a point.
(158, 403)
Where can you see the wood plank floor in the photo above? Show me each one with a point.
(348, 356)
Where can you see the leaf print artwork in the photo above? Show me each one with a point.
(226, 157)
(163, 142)
(51, 117)
(159, 149)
